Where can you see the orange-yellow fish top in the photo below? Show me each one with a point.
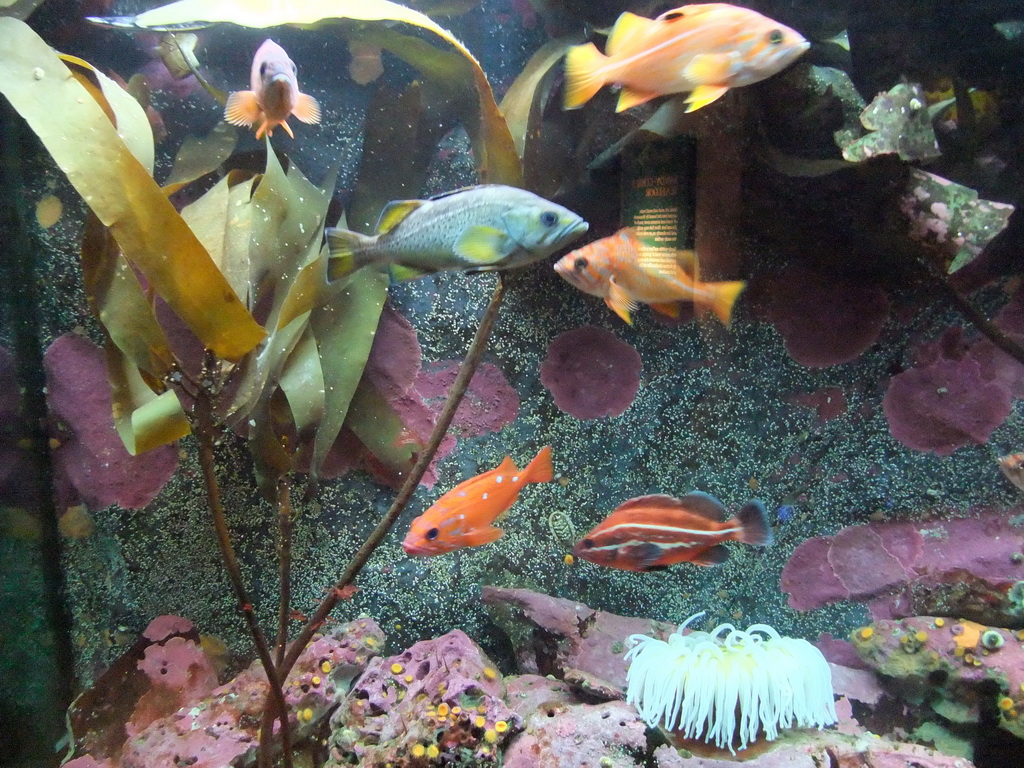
(705, 49)
(464, 517)
(275, 94)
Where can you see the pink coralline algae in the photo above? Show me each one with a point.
(899, 568)
(89, 454)
(444, 695)
(956, 395)
(395, 355)
(591, 373)
(828, 402)
(824, 319)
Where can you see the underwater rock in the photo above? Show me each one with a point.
(441, 697)
(591, 373)
(554, 636)
(950, 218)
(899, 123)
(957, 668)
(223, 728)
(945, 405)
(961, 567)
(857, 312)
(580, 736)
(89, 453)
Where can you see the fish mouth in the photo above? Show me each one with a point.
(280, 77)
(414, 550)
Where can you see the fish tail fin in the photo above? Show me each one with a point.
(754, 528)
(540, 470)
(583, 79)
(723, 297)
(348, 252)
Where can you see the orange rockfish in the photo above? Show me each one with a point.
(624, 270)
(275, 94)
(464, 517)
(704, 49)
(650, 533)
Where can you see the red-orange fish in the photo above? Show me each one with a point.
(623, 271)
(275, 94)
(464, 517)
(653, 532)
(704, 49)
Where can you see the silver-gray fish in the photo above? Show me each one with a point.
(480, 228)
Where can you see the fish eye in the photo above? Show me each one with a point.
(432, 534)
(549, 218)
(581, 262)
(263, 69)
(587, 543)
(775, 36)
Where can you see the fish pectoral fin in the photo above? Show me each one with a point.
(483, 536)
(703, 95)
(630, 97)
(619, 301)
(646, 555)
(394, 213)
(307, 109)
(711, 69)
(482, 245)
(242, 108)
(627, 25)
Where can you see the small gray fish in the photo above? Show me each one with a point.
(480, 228)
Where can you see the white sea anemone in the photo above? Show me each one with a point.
(697, 683)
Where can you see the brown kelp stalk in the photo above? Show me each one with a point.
(284, 555)
(444, 420)
(205, 431)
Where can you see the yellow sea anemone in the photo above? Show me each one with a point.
(698, 682)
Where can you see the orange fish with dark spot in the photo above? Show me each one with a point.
(702, 49)
(624, 271)
(650, 533)
(464, 517)
(275, 94)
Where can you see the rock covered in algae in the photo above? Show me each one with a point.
(441, 701)
(958, 668)
(899, 123)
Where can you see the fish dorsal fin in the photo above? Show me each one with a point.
(506, 468)
(691, 10)
(460, 190)
(394, 213)
(627, 25)
(652, 499)
(482, 245)
(705, 505)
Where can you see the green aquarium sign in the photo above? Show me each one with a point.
(658, 191)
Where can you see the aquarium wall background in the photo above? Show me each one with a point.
(182, 348)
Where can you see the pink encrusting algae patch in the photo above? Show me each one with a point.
(591, 373)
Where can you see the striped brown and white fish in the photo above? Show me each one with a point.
(650, 533)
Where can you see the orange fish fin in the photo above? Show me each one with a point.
(242, 108)
(710, 69)
(716, 555)
(703, 504)
(307, 109)
(627, 25)
(753, 522)
(687, 261)
(287, 129)
(507, 467)
(628, 98)
(483, 536)
(724, 296)
(619, 300)
(703, 95)
(582, 78)
(540, 470)
(669, 309)
(265, 128)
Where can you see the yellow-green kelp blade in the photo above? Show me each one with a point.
(497, 161)
(86, 146)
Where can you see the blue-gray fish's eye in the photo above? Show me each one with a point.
(775, 36)
(263, 69)
(549, 218)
